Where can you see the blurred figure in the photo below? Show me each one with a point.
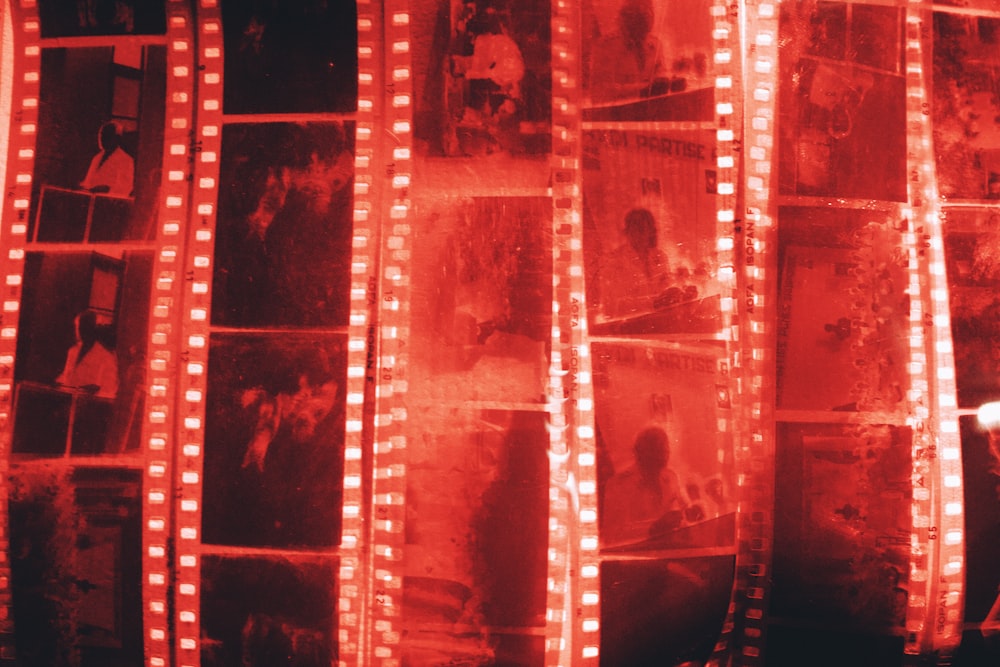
(842, 329)
(112, 170)
(293, 415)
(645, 499)
(637, 272)
(630, 62)
(289, 489)
(89, 364)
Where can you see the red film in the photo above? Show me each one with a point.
(498, 333)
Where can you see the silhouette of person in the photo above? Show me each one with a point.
(646, 496)
(112, 170)
(637, 271)
(630, 61)
(89, 364)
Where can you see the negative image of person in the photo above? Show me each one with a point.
(629, 62)
(645, 500)
(112, 170)
(90, 365)
(637, 271)
(290, 466)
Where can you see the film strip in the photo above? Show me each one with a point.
(386, 532)
(158, 434)
(204, 149)
(934, 617)
(572, 607)
(677, 142)
(21, 75)
(249, 548)
(757, 385)
(80, 445)
(355, 567)
(727, 38)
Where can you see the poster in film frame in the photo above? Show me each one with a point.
(649, 232)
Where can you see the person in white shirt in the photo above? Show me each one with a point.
(90, 366)
(112, 170)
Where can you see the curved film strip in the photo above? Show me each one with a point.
(656, 234)
(361, 348)
(391, 434)
(964, 171)
(759, 315)
(934, 617)
(844, 447)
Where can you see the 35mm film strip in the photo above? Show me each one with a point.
(934, 619)
(226, 333)
(572, 607)
(758, 314)
(391, 434)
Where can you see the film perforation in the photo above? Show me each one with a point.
(572, 608)
(934, 614)
(200, 151)
(356, 568)
(390, 345)
(757, 235)
(18, 102)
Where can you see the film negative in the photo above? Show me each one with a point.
(965, 133)
(844, 117)
(480, 284)
(647, 61)
(96, 176)
(573, 629)
(755, 231)
(482, 84)
(938, 521)
(666, 498)
(855, 330)
(274, 441)
(474, 586)
(842, 534)
(270, 340)
(260, 610)
(971, 280)
(651, 232)
(283, 245)
(290, 58)
(97, 297)
(76, 533)
(93, 18)
(80, 381)
(657, 492)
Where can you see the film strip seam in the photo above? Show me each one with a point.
(728, 115)
(572, 634)
(354, 576)
(758, 316)
(26, 73)
(933, 618)
(204, 149)
(389, 459)
(164, 336)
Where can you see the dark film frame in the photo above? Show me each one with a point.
(97, 169)
(274, 441)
